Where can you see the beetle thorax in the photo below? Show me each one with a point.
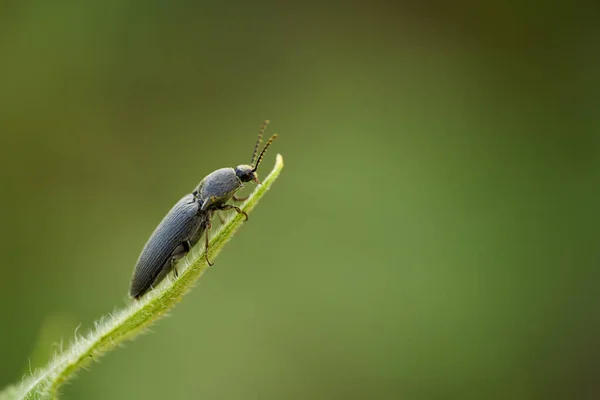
(218, 187)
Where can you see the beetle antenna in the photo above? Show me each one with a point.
(264, 150)
(259, 140)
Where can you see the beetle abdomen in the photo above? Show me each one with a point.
(180, 224)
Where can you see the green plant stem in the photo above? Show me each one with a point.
(125, 324)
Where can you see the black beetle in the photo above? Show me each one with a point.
(191, 217)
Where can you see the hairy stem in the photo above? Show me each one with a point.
(125, 324)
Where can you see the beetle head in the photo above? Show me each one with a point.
(247, 173)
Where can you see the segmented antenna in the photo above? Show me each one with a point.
(259, 140)
(264, 150)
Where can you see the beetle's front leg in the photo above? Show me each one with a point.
(226, 207)
(240, 199)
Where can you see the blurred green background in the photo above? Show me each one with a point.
(433, 235)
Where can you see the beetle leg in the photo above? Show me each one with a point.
(235, 198)
(186, 245)
(225, 207)
(174, 264)
(208, 226)
(221, 217)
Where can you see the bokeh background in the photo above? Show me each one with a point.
(433, 235)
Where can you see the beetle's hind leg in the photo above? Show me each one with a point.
(174, 266)
(226, 207)
(178, 255)
(207, 226)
